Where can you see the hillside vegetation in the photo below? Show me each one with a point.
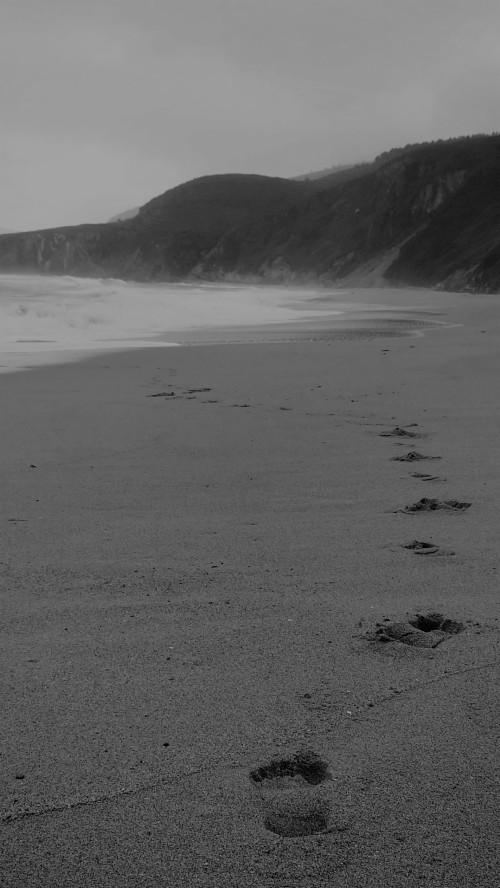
(426, 215)
(163, 241)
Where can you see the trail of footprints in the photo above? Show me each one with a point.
(431, 629)
(425, 504)
(295, 794)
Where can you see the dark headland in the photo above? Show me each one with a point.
(425, 215)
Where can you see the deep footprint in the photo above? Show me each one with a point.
(412, 456)
(293, 795)
(433, 505)
(423, 630)
(304, 764)
(422, 548)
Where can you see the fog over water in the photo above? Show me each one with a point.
(48, 319)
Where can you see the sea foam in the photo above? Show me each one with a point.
(42, 316)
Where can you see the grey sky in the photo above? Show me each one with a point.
(106, 104)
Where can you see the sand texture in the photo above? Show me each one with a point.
(200, 550)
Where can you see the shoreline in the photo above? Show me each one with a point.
(197, 543)
(378, 312)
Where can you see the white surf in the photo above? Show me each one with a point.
(48, 319)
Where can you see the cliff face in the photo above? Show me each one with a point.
(67, 250)
(459, 248)
(427, 215)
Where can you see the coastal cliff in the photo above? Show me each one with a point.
(426, 215)
(166, 238)
(429, 217)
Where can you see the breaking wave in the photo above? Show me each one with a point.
(47, 314)
(83, 310)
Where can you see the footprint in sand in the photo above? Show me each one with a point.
(420, 547)
(427, 504)
(294, 794)
(187, 395)
(423, 630)
(398, 432)
(412, 456)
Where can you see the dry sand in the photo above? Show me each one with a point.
(189, 587)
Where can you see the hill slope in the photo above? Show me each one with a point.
(428, 215)
(425, 215)
(127, 214)
(163, 241)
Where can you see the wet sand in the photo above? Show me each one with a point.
(197, 546)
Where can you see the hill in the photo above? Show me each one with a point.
(321, 174)
(426, 215)
(163, 241)
(127, 214)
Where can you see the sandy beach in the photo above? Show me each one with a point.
(197, 546)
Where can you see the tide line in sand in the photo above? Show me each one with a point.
(27, 355)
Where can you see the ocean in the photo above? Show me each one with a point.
(49, 319)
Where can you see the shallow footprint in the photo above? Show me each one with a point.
(412, 456)
(427, 504)
(420, 547)
(294, 794)
(398, 432)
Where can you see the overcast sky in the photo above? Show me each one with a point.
(106, 103)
